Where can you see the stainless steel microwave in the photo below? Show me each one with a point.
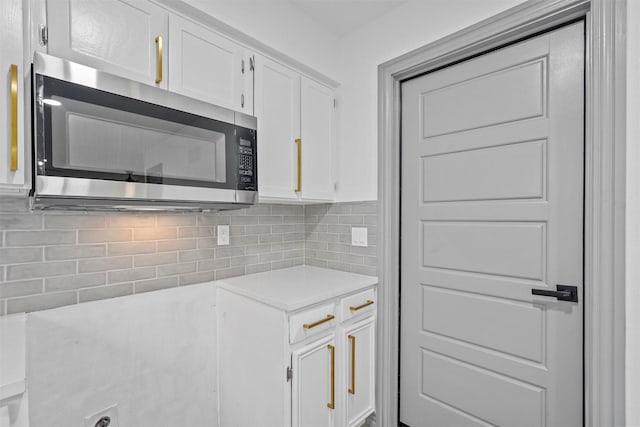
(104, 142)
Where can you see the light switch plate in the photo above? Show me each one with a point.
(223, 235)
(359, 236)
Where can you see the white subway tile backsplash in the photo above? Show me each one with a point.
(41, 302)
(21, 288)
(155, 259)
(213, 264)
(177, 245)
(155, 284)
(229, 272)
(102, 292)
(119, 276)
(194, 255)
(193, 278)
(20, 221)
(39, 238)
(78, 281)
(52, 253)
(328, 237)
(105, 264)
(108, 235)
(74, 221)
(156, 233)
(131, 221)
(40, 269)
(53, 259)
(20, 255)
(176, 269)
(131, 248)
(176, 220)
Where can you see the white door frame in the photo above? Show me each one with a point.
(604, 358)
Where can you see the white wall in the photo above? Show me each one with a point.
(152, 354)
(405, 28)
(633, 216)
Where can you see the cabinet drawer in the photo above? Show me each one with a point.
(311, 322)
(358, 305)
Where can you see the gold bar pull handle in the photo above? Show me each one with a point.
(319, 322)
(158, 59)
(332, 349)
(299, 144)
(352, 389)
(14, 117)
(359, 307)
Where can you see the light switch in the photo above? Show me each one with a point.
(223, 235)
(359, 236)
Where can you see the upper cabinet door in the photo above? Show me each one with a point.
(12, 151)
(277, 101)
(124, 37)
(207, 66)
(318, 141)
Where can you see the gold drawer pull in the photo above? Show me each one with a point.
(319, 322)
(14, 117)
(298, 142)
(366, 304)
(158, 59)
(332, 349)
(352, 389)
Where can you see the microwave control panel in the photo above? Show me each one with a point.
(247, 179)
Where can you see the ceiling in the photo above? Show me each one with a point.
(340, 17)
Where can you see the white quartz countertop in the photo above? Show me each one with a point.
(12, 355)
(293, 288)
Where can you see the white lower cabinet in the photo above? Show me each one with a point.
(313, 375)
(312, 366)
(358, 341)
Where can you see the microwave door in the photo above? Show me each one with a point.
(91, 134)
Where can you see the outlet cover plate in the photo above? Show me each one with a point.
(359, 236)
(223, 235)
(111, 412)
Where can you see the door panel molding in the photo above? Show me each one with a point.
(604, 187)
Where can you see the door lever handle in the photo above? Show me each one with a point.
(562, 293)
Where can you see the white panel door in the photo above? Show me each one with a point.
(277, 102)
(492, 208)
(359, 361)
(205, 65)
(12, 151)
(318, 141)
(116, 36)
(314, 382)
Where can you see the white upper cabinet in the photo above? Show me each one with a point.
(208, 66)
(318, 141)
(12, 150)
(296, 126)
(124, 37)
(278, 110)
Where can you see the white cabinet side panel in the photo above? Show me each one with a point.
(251, 342)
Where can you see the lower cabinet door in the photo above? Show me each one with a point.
(314, 384)
(359, 352)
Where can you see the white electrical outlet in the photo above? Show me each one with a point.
(106, 417)
(359, 236)
(223, 235)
